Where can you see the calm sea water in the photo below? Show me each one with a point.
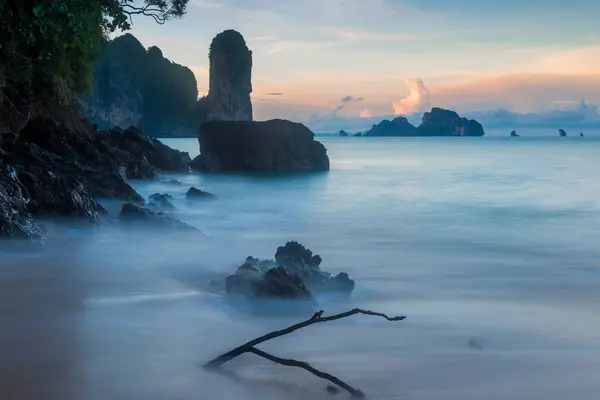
(488, 245)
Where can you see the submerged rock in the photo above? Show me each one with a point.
(266, 146)
(135, 213)
(295, 274)
(161, 202)
(195, 193)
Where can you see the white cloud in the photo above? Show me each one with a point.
(416, 100)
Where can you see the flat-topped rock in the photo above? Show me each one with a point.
(268, 146)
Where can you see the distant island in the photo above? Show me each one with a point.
(437, 122)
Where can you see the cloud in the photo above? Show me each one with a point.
(275, 94)
(416, 100)
(582, 116)
(339, 108)
(365, 114)
(350, 98)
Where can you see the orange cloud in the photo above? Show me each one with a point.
(416, 100)
(365, 114)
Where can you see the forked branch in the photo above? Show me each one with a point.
(315, 319)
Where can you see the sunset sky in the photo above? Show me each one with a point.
(360, 58)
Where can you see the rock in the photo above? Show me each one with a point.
(172, 182)
(195, 193)
(135, 213)
(581, 134)
(267, 146)
(514, 134)
(157, 154)
(562, 133)
(441, 122)
(298, 262)
(230, 78)
(161, 202)
(397, 127)
(276, 283)
(343, 133)
(15, 220)
(358, 134)
(63, 196)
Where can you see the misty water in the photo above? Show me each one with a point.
(488, 245)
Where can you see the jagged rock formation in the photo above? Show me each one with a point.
(397, 127)
(133, 213)
(130, 88)
(562, 133)
(294, 274)
(59, 170)
(441, 122)
(513, 134)
(266, 146)
(230, 78)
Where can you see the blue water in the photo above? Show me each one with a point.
(488, 245)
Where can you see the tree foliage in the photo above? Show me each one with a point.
(47, 47)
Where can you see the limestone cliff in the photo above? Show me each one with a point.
(230, 78)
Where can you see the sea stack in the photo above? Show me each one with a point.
(230, 141)
(230, 78)
(514, 134)
(442, 122)
(562, 133)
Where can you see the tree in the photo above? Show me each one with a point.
(47, 47)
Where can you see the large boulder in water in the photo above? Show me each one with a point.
(397, 127)
(441, 122)
(303, 274)
(267, 146)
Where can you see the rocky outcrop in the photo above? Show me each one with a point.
(562, 133)
(15, 219)
(61, 169)
(343, 133)
(160, 202)
(195, 193)
(580, 134)
(513, 134)
(295, 273)
(267, 146)
(441, 122)
(230, 78)
(396, 127)
(275, 283)
(133, 213)
(358, 134)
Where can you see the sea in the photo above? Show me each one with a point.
(489, 246)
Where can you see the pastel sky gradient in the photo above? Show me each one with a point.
(363, 58)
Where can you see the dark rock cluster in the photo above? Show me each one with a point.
(51, 169)
(267, 146)
(294, 274)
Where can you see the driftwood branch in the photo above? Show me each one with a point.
(304, 365)
(317, 317)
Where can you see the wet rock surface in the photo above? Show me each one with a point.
(294, 274)
(59, 170)
(133, 213)
(266, 146)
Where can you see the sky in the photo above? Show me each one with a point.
(333, 63)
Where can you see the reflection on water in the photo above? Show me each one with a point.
(492, 242)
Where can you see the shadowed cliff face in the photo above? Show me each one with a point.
(230, 78)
